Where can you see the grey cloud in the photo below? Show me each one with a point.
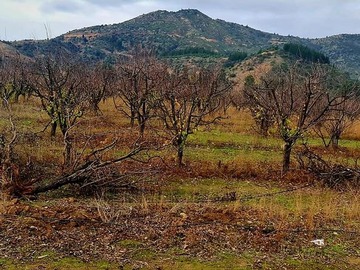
(86, 6)
(68, 6)
(113, 3)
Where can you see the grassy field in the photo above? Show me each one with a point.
(228, 208)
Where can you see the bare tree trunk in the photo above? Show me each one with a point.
(96, 108)
(180, 154)
(335, 140)
(180, 144)
(142, 128)
(142, 117)
(264, 128)
(53, 129)
(67, 151)
(142, 124)
(286, 156)
(132, 117)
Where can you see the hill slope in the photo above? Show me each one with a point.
(176, 31)
(343, 51)
(170, 31)
(7, 50)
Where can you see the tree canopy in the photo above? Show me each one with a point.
(304, 52)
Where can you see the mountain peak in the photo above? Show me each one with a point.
(161, 14)
(189, 11)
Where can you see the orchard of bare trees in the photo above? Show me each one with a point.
(161, 102)
(148, 92)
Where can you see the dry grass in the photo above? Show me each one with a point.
(353, 133)
(312, 209)
(107, 212)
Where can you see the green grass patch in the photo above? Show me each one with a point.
(129, 243)
(247, 141)
(225, 261)
(56, 264)
(229, 154)
(209, 188)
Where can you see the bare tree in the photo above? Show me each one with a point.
(8, 139)
(188, 99)
(6, 89)
(341, 117)
(298, 98)
(8, 135)
(263, 116)
(138, 78)
(59, 82)
(14, 73)
(100, 82)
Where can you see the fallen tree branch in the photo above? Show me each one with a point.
(83, 173)
(331, 175)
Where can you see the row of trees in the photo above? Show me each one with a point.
(181, 99)
(141, 86)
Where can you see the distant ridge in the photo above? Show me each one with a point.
(188, 28)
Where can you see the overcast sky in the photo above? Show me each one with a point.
(23, 19)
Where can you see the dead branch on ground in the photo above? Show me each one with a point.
(331, 175)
